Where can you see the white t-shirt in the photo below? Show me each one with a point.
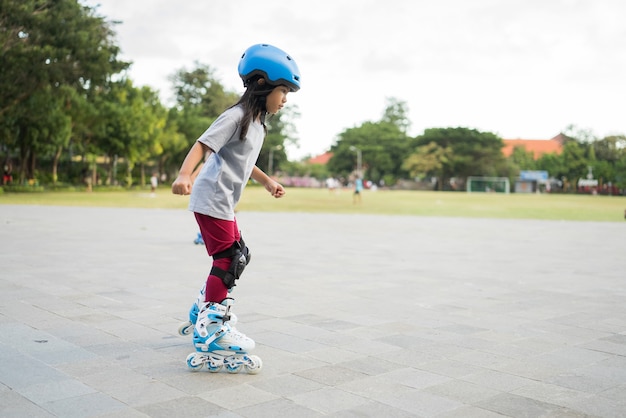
(218, 188)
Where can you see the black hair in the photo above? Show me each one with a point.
(253, 103)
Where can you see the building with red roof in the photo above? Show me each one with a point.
(538, 147)
(321, 159)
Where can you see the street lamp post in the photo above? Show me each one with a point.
(358, 159)
(270, 163)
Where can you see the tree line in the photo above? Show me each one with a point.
(69, 114)
(389, 154)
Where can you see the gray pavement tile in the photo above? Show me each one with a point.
(333, 355)
(277, 408)
(516, 350)
(450, 368)
(43, 346)
(21, 371)
(616, 393)
(144, 393)
(467, 393)
(55, 390)
(331, 375)
(606, 346)
(287, 385)
(13, 405)
(482, 359)
(372, 409)
(554, 394)
(498, 380)
(244, 395)
(287, 342)
(579, 380)
(277, 362)
(597, 406)
(598, 320)
(109, 378)
(414, 378)
(375, 387)
(616, 338)
(369, 347)
(412, 342)
(308, 332)
(529, 370)
(127, 412)
(471, 412)
(570, 358)
(197, 383)
(370, 365)
(328, 400)
(89, 405)
(183, 407)
(420, 403)
(521, 407)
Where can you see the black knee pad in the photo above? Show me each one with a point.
(240, 256)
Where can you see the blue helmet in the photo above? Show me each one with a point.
(273, 64)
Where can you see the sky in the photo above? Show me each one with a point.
(518, 68)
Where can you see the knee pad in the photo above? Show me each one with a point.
(240, 256)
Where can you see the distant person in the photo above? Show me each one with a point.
(358, 188)
(154, 182)
(7, 176)
(233, 143)
(332, 184)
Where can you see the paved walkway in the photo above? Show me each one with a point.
(353, 316)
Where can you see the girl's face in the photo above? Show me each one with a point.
(276, 99)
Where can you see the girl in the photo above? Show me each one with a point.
(231, 146)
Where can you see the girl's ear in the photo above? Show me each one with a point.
(261, 81)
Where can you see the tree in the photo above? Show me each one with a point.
(468, 152)
(44, 129)
(198, 89)
(48, 47)
(429, 160)
(383, 146)
(396, 113)
(522, 159)
(610, 148)
(610, 162)
(134, 121)
(575, 162)
(281, 132)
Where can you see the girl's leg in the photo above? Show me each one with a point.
(218, 235)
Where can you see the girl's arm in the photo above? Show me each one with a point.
(275, 189)
(189, 169)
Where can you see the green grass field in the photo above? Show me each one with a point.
(474, 205)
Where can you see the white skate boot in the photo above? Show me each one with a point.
(219, 344)
(186, 327)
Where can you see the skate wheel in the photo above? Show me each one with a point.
(233, 368)
(254, 364)
(193, 362)
(213, 366)
(185, 328)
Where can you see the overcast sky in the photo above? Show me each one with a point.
(518, 68)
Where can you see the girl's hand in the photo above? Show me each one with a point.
(275, 189)
(182, 185)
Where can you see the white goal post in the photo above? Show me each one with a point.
(488, 184)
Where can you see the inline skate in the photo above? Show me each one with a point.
(199, 240)
(218, 344)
